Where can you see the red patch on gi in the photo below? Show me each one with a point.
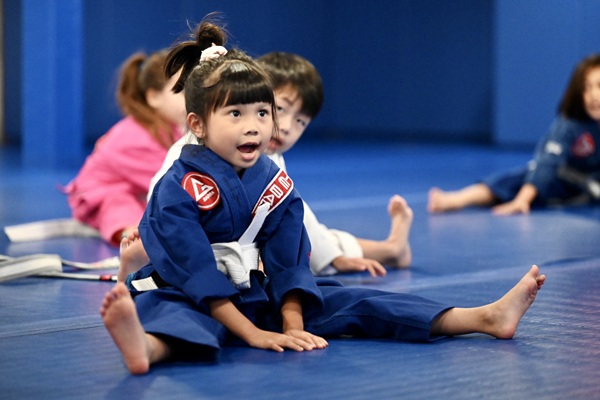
(584, 146)
(203, 189)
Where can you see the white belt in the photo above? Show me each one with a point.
(237, 259)
(234, 259)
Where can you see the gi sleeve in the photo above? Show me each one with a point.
(285, 254)
(325, 248)
(551, 153)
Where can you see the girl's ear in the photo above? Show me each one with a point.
(196, 125)
(153, 98)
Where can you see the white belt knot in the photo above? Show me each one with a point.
(236, 261)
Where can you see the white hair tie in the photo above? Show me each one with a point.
(213, 52)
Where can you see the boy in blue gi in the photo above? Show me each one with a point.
(566, 164)
(220, 205)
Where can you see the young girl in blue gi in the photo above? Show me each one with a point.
(220, 205)
(298, 91)
(566, 164)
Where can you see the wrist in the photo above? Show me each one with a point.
(292, 320)
(336, 262)
(291, 312)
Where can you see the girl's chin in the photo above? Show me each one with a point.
(250, 157)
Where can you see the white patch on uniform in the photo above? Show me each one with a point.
(553, 148)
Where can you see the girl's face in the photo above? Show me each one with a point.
(237, 133)
(591, 93)
(168, 104)
(292, 122)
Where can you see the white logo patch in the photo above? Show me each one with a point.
(553, 148)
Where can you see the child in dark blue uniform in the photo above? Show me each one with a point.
(298, 91)
(223, 203)
(566, 165)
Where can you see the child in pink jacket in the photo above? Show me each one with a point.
(109, 192)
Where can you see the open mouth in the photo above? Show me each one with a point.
(248, 147)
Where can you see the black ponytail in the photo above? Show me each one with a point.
(186, 55)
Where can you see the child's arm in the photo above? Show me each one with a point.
(520, 204)
(293, 323)
(224, 311)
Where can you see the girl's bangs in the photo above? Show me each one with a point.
(258, 92)
(244, 85)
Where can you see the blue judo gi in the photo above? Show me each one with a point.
(569, 143)
(182, 221)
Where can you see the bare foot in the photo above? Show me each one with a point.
(505, 314)
(121, 320)
(401, 216)
(500, 318)
(133, 255)
(440, 201)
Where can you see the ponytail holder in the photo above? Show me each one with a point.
(213, 52)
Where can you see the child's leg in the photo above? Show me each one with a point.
(395, 250)
(499, 319)
(133, 255)
(139, 349)
(474, 195)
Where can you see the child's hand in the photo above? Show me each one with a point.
(277, 341)
(346, 264)
(317, 341)
(512, 207)
(520, 204)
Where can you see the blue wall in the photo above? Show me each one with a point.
(488, 71)
(536, 46)
(296, 27)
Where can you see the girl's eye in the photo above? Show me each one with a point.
(302, 122)
(235, 113)
(263, 113)
(279, 109)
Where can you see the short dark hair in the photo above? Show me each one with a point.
(288, 69)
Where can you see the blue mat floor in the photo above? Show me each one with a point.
(53, 344)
